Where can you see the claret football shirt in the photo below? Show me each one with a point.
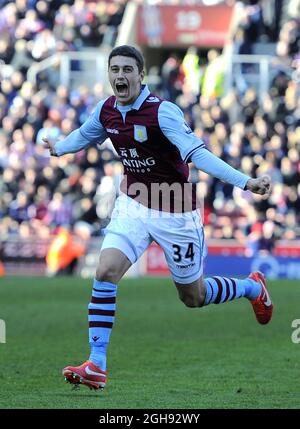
(154, 144)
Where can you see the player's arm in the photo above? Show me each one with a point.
(211, 164)
(172, 124)
(90, 132)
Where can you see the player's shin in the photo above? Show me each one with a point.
(101, 318)
(222, 289)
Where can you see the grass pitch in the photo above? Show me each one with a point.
(162, 354)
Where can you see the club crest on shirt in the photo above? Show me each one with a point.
(140, 133)
(152, 100)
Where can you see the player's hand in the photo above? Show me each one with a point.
(50, 146)
(261, 185)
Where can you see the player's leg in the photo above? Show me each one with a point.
(222, 289)
(125, 241)
(217, 290)
(113, 264)
(182, 239)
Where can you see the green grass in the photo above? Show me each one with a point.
(162, 355)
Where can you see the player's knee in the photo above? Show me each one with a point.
(106, 273)
(192, 301)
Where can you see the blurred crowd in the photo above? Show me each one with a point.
(39, 194)
(34, 29)
(186, 2)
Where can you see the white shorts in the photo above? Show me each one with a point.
(181, 236)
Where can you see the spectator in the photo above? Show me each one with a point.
(63, 254)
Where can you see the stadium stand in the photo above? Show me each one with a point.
(38, 195)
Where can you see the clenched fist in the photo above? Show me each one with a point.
(261, 185)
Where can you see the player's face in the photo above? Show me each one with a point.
(125, 79)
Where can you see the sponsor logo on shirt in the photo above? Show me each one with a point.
(139, 165)
(140, 133)
(112, 131)
(132, 161)
(187, 129)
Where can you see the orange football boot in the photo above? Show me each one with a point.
(262, 305)
(88, 374)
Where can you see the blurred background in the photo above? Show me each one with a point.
(234, 69)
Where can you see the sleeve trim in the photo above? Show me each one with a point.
(188, 156)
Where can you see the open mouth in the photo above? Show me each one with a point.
(122, 89)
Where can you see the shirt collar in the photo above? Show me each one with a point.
(140, 100)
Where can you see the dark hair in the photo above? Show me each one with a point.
(128, 51)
